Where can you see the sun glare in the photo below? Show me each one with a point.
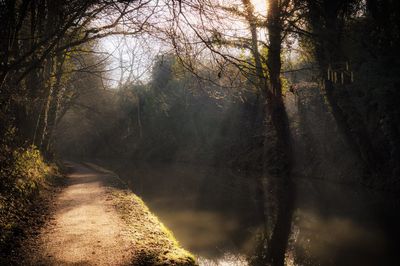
(260, 7)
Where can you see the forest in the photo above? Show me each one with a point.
(242, 132)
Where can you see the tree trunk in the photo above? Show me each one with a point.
(259, 123)
(45, 28)
(54, 102)
(44, 103)
(278, 157)
(139, 117)
(276, 185)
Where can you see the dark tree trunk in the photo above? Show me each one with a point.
(275, 183)
(279, 163)
(277, 167)
(49, 10)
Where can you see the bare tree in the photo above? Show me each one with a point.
(207, 20)
(37, 35)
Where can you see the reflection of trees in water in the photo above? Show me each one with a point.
(277, 205)
(342, 225)
(221, 208)
(220, 202)
(234, 195)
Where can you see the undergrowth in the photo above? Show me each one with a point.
(23, 173)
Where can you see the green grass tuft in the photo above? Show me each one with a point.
(155, 243)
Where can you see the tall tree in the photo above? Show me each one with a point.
(276, 145)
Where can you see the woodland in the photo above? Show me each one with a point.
(278, 90)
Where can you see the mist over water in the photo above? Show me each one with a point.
(214, 214)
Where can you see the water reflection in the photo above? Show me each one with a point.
(344, 225)
(335, 241)
(227, 259)
(214, 214)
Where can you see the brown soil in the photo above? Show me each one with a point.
(84, 228)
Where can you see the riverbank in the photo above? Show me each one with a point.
(154, 244)
(95, 220)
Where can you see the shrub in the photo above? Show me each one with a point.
(29, 169)
(23, 171)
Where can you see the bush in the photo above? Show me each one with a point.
(29, 169)
(23, 171)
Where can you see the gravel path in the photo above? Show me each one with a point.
(85, 228)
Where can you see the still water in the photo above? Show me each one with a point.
(214, 214)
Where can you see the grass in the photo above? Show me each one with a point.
(154, 243)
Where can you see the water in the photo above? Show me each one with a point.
(214, 214)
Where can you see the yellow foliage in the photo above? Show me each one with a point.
(285, 85)
(23, 173)
(29, 168)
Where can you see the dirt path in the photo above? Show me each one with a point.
(85, 228)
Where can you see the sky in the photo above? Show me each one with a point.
(130, 57)
(260, 6)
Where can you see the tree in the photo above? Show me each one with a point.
(273, 123)
(39, 35)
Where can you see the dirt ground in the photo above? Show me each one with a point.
(84, 228)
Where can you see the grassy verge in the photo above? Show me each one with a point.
(25, 180)
(154, 243)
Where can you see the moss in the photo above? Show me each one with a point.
(156, 245)
(154, 242)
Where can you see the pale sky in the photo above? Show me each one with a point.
(136, 54)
